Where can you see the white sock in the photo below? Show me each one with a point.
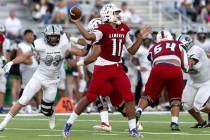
(104, 117)
(139, 109)
(132, 124)
(6, 120)
(174, 119)
(72, 118)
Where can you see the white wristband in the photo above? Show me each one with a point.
(80, 63)
(74, 39)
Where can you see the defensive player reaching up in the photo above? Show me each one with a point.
(109, 38)
(167, 58)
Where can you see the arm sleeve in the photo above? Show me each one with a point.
(129, 42)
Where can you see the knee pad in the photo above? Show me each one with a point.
(101, 103)
(47, 108)
(176, 103)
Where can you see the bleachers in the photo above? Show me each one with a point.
(150, 11)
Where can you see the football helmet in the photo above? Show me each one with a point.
(111, 13)
(202, 33)
(164, 35)
(186, 40)
(52, 34)
(202, 29)
(93, 24)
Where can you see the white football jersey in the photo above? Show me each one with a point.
(51, 57)
(199, 73)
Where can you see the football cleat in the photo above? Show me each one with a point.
(52, 121)
(2, 127)
(67, 130)
(174, 127)
(200, 125)
(103, 127)
(207, 125)
(134, 133)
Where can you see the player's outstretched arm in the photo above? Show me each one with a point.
(17, 60)
(133, 48)
(26, 61)
(77, 51)
(87, 35)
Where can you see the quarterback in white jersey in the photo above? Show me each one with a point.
(196, 94)
(51, 49)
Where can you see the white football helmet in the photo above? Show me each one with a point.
(186, 40)
(109, 13)
(164, 36)
(52, 34)
(93, 24)
(202, 29)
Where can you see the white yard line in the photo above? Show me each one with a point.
(112, 133)
(90, 114)
(114, 121)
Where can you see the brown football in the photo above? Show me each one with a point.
(75, 13)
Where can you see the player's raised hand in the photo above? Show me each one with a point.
(7, 67)
(75, 14)
(144, 31)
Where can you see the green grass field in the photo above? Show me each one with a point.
(156, 127)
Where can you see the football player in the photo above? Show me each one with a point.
(110, 38)
(51, 49)
(196, 95)
(168, 58)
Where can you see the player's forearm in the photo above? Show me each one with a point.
(89, 60)
(78, 52)
(92, 57)
(84, 33)
(20, 59)
(136, 45)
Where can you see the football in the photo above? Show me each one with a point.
(75, 13)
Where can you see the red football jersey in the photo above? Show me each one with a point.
(113, 41)
(165, 50)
